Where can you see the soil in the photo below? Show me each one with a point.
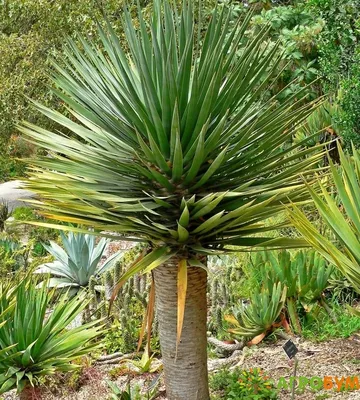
(335, 358)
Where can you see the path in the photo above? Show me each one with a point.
(12, 193)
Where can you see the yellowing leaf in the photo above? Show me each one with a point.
(182, 289)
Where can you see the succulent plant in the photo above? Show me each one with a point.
(32, 342)
(306, 275)
(77, 262)
(261, 316)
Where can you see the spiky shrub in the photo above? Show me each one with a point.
(35, 343)
(306, 275)
(303, 275)
(172, 143)
(340, 212)
(261, 316)
(77, 262)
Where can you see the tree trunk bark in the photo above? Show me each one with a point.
(186, 375)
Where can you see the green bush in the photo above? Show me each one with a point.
(338, 46)
(349, 100)
(13, 255)
(242, 385)
(34, 344)
(321, 327)
(23, 214)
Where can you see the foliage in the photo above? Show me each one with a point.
(31, 32)
(320, 126)
(304, 277)
(225, 287)
(338, 45)
(349, 100)
(166, 161)
(259, 317)
(10, 153)
(23, 214)
(297, 30)
(341, 289)
(62, 384)
(145, 364)
(37, 235)
(118, 394)
(37, 344)
(321, 327)
(134, 393)
(339, 37)
(126, 315)
(242, 384)
(13, 255)
(5, 214)
(341, 214)
(77, 262)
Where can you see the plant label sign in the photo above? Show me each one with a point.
(290, 349)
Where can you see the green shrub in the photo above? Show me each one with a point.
(338, 46)
(242, 385)
(349, 100)
(13, 255)
(33, 343)
(320, 327)
(23, 214)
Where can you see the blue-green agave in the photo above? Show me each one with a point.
(77, 262)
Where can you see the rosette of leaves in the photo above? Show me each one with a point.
(77, 262)
(35, 342)
(261, 316)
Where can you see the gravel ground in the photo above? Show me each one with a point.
(335, 358)
(340, 358)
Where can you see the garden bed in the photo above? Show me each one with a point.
(334, 358)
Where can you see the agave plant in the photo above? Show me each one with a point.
(340, 212)
(261, 316)
(34, 344)
(77, 262)
(173, 144)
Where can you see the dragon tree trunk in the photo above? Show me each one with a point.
(186, 374)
